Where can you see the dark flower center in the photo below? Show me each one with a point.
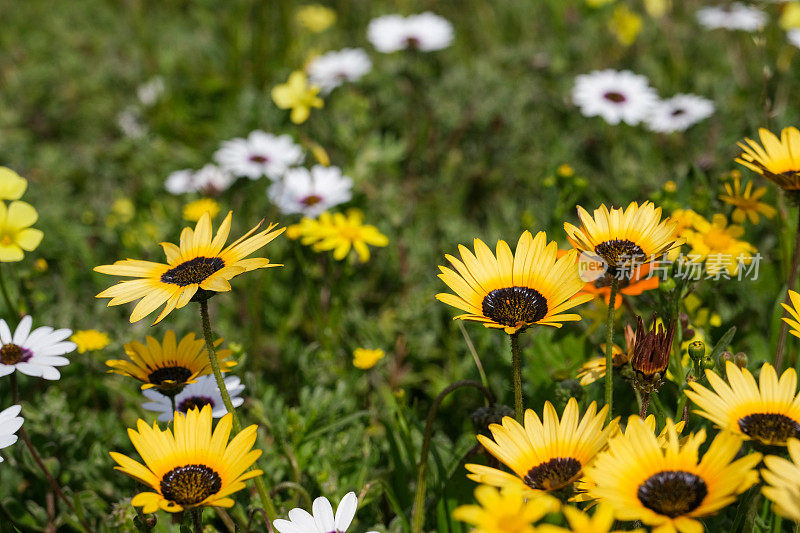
(620, 252)
(413, 42)
(190, 484)
(11, 354)
(194, 402)
(169, 375)
(769, 427)
(260, 159)
(678, 112)
(310, 200)
(615, 97)
(192, 271)
(513, 306)
(672, 492)
(554, 474)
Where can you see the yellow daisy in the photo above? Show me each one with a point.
(546, 455)
(778, 160)
(624, 237)
(296, 94)
(339, 233)
(746, 202)
(365, 359)
(504, 511)
(90, 340)
(782, 478)
(794, 312)
(12, 185)
(595, 368)
(665, 486)
(194, 210)
(195, 270)
(169, 366)
(580, 522)
(189, 466)
(16, 235)
(719, 245)
(767, 411)
(514, 291)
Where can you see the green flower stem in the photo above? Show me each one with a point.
(38, 459)
(197, 519)
(790, 284)
(516, 370)
(13, 309)
(266, 501)
(418, 511)
(645, 405)
(609, 393)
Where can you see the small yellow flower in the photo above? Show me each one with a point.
(316, 18)
(746, 202)
(718, 245)
(625, 25)
(507, 510)
(790, 16)
(12, 185)
(90, 340)
(339, 233)
(657, 8)
(686, 219)
(40, 265)
(580, 522)
(296, 94)
(16, 234)
(670, 186)
(599, 3)
(565, 171)
(366, 359)
(194, 210)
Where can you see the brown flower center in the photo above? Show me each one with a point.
(260, 159)
(672, 492)
(615, 97)
(311, 199)
(192, 271)
(189, 485)
(169, 375)
(514, 306)
(618, 252)
(769, 427)
(11, 354)
(554, 474)
(194, 402)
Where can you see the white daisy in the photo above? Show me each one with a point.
(679, 112)
(198, 394)
(258, 155)
(735, 16)
(9, 424)
(793, 36)
(311, 193)
(35, 353)
(150, 91)
(332, 69)
(130, 123)
(209, 180)
(617, 96)
(426, 32)
(323, 519)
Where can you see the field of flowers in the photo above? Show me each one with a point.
(517, 266)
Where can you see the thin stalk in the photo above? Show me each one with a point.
(38, 460)
(174, 407)
(790, 283)
(12, 307)
(645, 404)
(516, 370)
(418, 511)
(266, 501)
(609, 393)
(471, 348)
(197, 519)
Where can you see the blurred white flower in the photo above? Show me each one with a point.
(150, 91)
(209, 180)
(35, 353)
(617, 96)
(678, 113)
(195, 395)
(793, 36)
(334, 68)
(426, 32)
(735, 16)
(261, 154)
(130, 123)
(311, 192)
(323, 519)
(10, 422)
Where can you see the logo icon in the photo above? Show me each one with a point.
(591, 267)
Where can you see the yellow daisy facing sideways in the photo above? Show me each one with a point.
(580, 522)
(782, 478)
(189, 466)
(624, 237)
(665, 486)
(767, 411)
(746, 202)
(778, 160)
(504, 511)
(195, 270)
(513, 291)
(544, 454)
(169, 366)
(794, 311)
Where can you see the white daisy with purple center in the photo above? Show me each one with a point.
(260, 154)
(34, 353)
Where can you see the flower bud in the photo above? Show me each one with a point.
(707, 363)
(697, 350)
(740, 359)
(651, 355)
(723, 358)
(667, 285)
